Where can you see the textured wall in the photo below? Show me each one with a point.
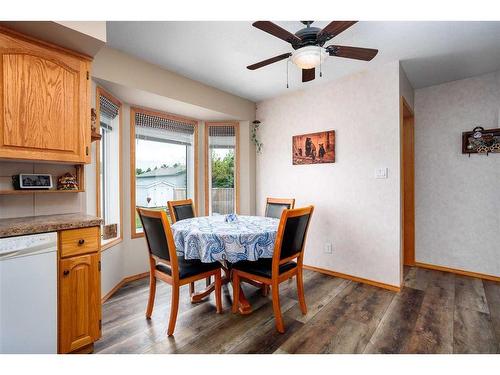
(457, 213)
(359, 214)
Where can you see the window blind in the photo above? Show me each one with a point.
(222, 136)
(161, 123)
(221, 131)
(107, 108)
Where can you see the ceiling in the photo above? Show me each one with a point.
(217, 53)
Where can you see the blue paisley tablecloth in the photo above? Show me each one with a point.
(210, 238)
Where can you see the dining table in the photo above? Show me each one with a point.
(227, 239)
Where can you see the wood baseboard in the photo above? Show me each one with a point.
(392, 288)
(458, 272)
(126, 280)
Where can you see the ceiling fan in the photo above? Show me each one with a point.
(308, 45)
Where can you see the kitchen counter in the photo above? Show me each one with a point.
(20, 226)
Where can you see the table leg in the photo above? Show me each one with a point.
(198, 297)
(244, 307)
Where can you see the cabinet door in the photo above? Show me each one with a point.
(44, 103)
(79, 302)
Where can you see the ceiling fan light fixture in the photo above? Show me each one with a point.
(308, 57)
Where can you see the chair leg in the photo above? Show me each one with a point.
(208, 281)
(236, 292)
(191, 289)
(218, 292)
(174, 307)
(300, 292)
(152, 293)
(277, 309)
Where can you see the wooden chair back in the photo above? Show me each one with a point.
(181, 209)
(291, 236)
(159, 237)
(275, 206)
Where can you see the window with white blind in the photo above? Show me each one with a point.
(221, 168)
(163, 161)
(108, 164)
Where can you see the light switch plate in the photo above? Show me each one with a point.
(381, 173)
(328, 248)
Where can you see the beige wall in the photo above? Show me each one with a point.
(118, 67)
(457, 220)
(358, 214)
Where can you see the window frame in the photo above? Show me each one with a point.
(102, 92)
(236, 126)
(168, 116)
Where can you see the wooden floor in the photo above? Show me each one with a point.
(435, 312)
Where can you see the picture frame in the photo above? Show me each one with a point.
(314, 148)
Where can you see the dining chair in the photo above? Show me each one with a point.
(288, 247)
(166, 265)
(274, 206)
(181, 209)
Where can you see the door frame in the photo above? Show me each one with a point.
(407, 165)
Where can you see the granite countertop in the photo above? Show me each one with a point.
(20, 226)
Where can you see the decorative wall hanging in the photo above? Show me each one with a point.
(481, 141)
(314, 148)
(258, 144)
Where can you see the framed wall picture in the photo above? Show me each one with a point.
(314, 148)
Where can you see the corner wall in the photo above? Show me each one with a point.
(358, 214)
(457, 210)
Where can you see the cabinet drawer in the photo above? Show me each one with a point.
(79, 241)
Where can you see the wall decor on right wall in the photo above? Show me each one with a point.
(481, 141)
(314, 148)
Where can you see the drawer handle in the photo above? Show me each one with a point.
(81, 241)
(66, 272)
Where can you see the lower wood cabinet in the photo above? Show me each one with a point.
(79, 301)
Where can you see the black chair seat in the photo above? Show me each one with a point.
(262, 267)
(188, 267)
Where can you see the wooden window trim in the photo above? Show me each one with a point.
(236, 126)
(100, 91)
(168, 116)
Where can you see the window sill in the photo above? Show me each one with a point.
(108, 244)
(137, 235)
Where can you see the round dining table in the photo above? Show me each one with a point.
(227, 239)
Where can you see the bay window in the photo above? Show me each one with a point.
(221, 168)
(108, 167)
(163, 161)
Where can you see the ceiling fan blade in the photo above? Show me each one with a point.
(308, 74)
(334, 28)
(277, 31)
(269, 61)
(357, 53)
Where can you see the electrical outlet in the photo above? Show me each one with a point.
(381, 173)
(328, 248)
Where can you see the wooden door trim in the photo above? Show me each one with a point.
(407, 119)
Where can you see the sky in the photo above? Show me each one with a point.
(150, 154)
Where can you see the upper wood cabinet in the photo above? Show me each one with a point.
(44, 101)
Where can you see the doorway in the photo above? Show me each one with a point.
(407, 183)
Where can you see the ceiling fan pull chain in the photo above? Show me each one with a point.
(320, 72)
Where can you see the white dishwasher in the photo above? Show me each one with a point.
(28, 294)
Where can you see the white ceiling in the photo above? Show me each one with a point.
(217, 53)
